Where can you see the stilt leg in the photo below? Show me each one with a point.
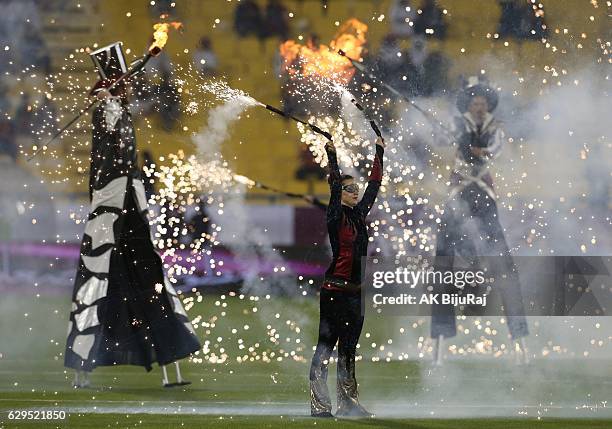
(165, 381)
(520, 351)
(439, 344)
(525, 354)
(81, 379)
(85, 379)
(179, 379)
(76, 383)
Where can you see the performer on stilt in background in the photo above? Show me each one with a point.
(124, 311)
(470, 225)
(341, 318)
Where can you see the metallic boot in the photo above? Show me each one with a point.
(320, 403)
(346, 389)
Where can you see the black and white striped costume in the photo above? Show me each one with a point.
(124, 310)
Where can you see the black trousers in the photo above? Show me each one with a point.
(341, 321)
(470, 228)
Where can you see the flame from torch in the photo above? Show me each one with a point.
(321, 60)
(160, 35)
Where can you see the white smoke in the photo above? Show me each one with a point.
(247, 241)
(208, 141)
(553, 182)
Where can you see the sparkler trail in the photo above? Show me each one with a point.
(253, 183)
(425, 113)
(401, 210)
(160, 38)
(224, 92)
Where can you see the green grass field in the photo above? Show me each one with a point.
(269, 386)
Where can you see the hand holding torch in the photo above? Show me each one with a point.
(160, 37)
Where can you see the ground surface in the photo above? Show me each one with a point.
(474, 393)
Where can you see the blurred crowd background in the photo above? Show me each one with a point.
(423, 47)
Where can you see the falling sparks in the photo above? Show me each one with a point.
(405, 216)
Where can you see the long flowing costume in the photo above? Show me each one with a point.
(341, 318)
(470, 224)
(124, 311)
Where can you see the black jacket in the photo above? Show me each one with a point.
(346, 225)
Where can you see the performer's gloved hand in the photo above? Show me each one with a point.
(381, 142)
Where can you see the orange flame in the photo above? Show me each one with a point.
(160, 35)
(324, 60)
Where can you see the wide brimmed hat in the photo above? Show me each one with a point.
(476, 88)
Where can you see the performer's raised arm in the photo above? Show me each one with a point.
(334, 209)
(375, 179)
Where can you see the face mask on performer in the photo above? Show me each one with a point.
(350, 191)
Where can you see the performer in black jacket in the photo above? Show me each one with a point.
(124, 311)
(470, 225)
(341, 317)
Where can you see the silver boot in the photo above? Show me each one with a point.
(346, 389)
(320, 403)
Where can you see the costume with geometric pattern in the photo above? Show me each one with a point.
(124, 311)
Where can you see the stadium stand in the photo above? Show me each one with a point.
(270, 154)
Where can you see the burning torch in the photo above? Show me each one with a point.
(160, 37)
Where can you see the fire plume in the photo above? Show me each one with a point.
(323, 60)
(160, 35)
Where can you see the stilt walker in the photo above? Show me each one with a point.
(341, 318)
(124, 310)
(470, 226)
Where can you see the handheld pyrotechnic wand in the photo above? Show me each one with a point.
(250, 182)
(160, 38)
(139, 65)
(372, 123)
(313, 127)
(424, 112)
